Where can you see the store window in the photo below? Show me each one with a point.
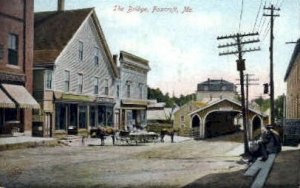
(12, 49)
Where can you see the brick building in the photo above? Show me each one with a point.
(292, 78)
(16, 58)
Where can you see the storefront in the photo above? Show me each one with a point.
(78, 116)
(14, 101)
(133, 114)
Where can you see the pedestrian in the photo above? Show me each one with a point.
(162, 135)
(269, 143)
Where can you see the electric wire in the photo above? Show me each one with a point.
(257, 15)
(241, 15)
(261, 18)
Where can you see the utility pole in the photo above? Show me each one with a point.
(239, 43)
(272, 15)
(249, 82)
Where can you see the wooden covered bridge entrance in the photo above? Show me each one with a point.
(221, 117)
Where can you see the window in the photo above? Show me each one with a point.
(182, 118)
(118, 91)
(80, 82)
(1, 51)
(67, 81)
(106, 89)
(12, 49)
(128, 90)
(82, 117)
(96, 58)
(96, 85)
(141, 90)
(80, 50)
(48, 79)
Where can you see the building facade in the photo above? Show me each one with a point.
(16, 58)
(74, 73)
(292, 79)
(215, 89)
(131, 92)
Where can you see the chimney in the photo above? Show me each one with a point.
(61, 5)
(115, 58)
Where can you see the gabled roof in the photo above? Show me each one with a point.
(53, 30)
(293, 60)
(219, 101)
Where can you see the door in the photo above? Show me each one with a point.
(48, 125)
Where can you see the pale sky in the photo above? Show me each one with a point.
(182, 48)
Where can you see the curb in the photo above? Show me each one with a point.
(22, 145)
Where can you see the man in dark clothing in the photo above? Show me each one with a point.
(269, 143)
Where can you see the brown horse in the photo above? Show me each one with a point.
(168, 131)
(101, 133)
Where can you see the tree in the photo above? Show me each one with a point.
(278, 111)
(171, 102)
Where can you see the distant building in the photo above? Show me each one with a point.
(74, 73)
(131, 91)
(157, 113)
(215, 89)
(292, 78)
(16, 58)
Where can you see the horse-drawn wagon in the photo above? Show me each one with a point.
(119, 137)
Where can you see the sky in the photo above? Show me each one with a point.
(182, 46)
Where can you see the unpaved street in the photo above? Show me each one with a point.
(148, 165)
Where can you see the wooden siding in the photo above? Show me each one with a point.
(135, 78)
(293, 91)
(69, 60)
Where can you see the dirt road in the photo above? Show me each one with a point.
(148, 165)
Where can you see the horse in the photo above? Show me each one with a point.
(168, 131)
(101, 133)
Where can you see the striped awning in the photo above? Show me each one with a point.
(5, 101)
(21, 96)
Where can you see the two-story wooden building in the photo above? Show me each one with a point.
(16, 58)
(215, 89)
(131, 92)
(292, 78)
(74, 73)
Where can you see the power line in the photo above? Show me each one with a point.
(241, 15)
(257, 15)
(261, 18)
(266, 32)
(272, 9)
(238, 41)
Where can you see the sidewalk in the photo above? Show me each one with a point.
(19, 142)
(284, 173)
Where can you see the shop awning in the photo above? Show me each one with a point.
(135, 102)
(21, 96)
(5, 101)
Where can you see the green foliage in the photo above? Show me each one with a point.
(263, 103)
(171, 102)
(278, 105)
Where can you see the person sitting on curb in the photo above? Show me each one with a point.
(269, 142)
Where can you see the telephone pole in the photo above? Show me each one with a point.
(249, 82)
(239, 43)
(272, 15)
